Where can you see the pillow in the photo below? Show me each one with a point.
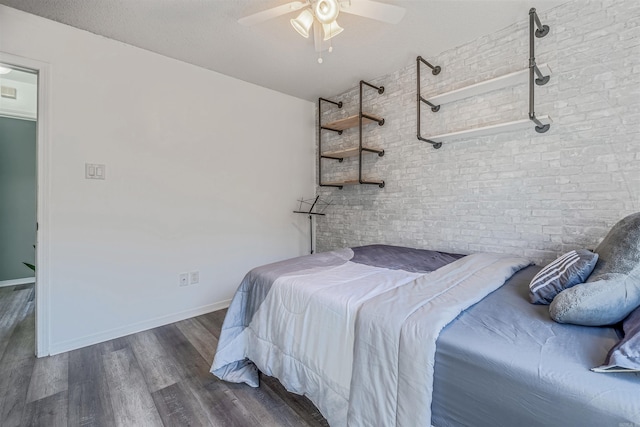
(613, 289)
(625, 356)
(570, 269)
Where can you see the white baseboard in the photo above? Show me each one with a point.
(74, 344)
(16, 282)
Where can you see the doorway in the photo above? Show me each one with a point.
(42, 287)
(18, 209)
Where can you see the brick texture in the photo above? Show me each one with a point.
(536, 195)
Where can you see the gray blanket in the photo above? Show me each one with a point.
(300, 320)
(257, 283)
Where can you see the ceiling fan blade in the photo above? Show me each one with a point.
(374, 10)
(274, 12)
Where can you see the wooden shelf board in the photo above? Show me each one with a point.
(489, 130)
(506, 80)
(350, 122)
(349, 152)
(350, 182)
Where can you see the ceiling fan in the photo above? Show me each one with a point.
(320, 16)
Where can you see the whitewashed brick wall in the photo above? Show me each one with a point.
(532, 194)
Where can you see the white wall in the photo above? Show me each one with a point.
(201, 175)
(531, 194)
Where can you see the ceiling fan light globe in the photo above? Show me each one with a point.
(4, 70)
(302, 24)
(326, 11)
(331, 30)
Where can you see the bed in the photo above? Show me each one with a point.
(390, 336)
(504, 362)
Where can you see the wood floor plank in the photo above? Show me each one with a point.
(179, 407)
(158, 368)
(185, 356)
(222, 407)
(301, 405)
(6, 289)
(213, 321)
(113, 345)
(203, 340)
(50, 376)
(266, 406)
(14, 383)
(6, 294)
(89, 402)
(28, 286)
(132, 403)
(50, 411)
(12, 311)
(22, 342)
(17, 361)
(158, 377)
(215, 397)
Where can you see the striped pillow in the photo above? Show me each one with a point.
(569, 270)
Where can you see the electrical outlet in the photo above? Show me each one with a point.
(183, 279)
(194, 277)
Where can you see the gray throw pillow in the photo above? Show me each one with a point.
(568, 270)
(613, 289)
(625, 356)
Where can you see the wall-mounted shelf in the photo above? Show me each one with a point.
(511, 79)
(342, 183)
(489, 130)
(352, 121)
(352, 182)
(341, 125)
(534, 74)
(349, 152)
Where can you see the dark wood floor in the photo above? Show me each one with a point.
(153, 378)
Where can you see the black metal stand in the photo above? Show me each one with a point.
(311, 214)
(362, 115)
(435, 108)
(320, 129)
(534, 71)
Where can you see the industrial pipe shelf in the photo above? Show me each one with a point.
(340, 184)
(489, 130)
(504, 81)
(353, 121)
(339, 126)
(349, 152)
(537, 75)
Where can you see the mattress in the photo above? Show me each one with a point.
(354, 329)
(504, 362)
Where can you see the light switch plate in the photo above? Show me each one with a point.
(94, 171)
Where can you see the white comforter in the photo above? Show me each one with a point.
(360, 340)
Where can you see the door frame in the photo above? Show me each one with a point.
(43, 191)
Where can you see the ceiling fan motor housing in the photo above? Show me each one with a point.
(326, 11)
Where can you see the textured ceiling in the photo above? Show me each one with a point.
(272, 54)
